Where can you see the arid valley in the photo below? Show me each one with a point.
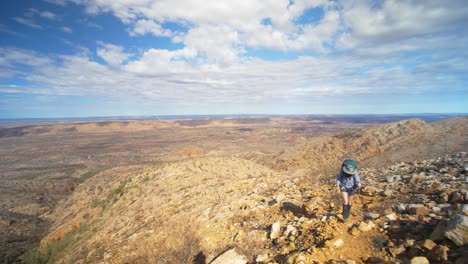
(193, 190)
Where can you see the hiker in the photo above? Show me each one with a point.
(347, 182)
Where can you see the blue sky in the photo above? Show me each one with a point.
(77, 58)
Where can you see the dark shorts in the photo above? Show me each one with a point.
(350, 191)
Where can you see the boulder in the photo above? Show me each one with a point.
(457, 229)
(230, 257)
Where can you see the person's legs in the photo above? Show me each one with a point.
(350, 201)
(345, 197)
(345, 212)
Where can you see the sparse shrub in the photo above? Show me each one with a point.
(55, 247)
(99, 253)
(34, 257)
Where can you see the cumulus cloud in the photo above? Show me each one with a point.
(237, 24)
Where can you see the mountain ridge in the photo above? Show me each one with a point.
(143, 214)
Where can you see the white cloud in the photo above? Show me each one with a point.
(143, 26)
(219, 44)
(237, 24)
(27, 22)
(397, 20)
(114, 55)
(49, 15)
(356, 49)
(66, 29)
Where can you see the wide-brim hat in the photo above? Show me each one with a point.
(349, 168)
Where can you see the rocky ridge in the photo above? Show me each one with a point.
(381, 145)
(412, 212)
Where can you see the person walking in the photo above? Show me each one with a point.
(347, 183)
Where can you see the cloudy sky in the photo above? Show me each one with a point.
(77, 58)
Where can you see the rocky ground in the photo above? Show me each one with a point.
(407, 213)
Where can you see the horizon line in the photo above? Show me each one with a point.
(218, 115)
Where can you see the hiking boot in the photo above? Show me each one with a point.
(345, 211)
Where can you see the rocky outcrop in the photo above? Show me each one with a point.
(375, 147)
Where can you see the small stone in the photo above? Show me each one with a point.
(291, 258)
(371, 216)
(439, 254)
(261, 258)
(419, 260)
(418, 209)
(393, 178)
(388, 193)
(355, 231)
(401, 208)
(408, 243)
(364, 227)
(335, 242)
(275, 230)
(391, 217)
(230, 257)
(428, 244)
(457, 229)
(436, 210)
(395, 251)
(290, 231)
